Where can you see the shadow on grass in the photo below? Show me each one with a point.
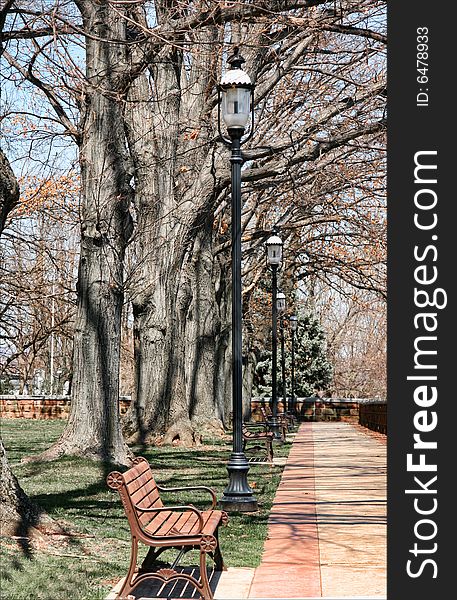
(90, 505)
(34, 518)
(42, 512)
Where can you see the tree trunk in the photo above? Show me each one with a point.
(249, 362)
(201, 329)
(93, 428)
(17, 513)
(177, 325)
(9, 190)
(180, 347)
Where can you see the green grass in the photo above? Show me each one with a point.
(86, 564)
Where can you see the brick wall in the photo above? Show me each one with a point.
(318, 409)
(374, 416)
(41, 407)
(369, 413)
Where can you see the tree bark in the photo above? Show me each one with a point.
(17, 512)
(177, 323)
(180, 344)
(93, 428)
(9, 190)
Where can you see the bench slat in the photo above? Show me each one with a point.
(156, 520)
(166, 526)
(142, 488)
(186, 523)
(135, 471)
(186, 519)
(146, 497)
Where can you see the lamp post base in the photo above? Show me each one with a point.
(238, 496)
(273, 424)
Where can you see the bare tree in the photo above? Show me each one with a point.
(17, 512)
(105, 220)
(179, 293)
(356, 328)
(147, 144)
(38, 261)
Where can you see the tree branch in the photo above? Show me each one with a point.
(50, 94)
(312, 154)
(324, 117)
(349, 30)
(3, 14)
(27, 33)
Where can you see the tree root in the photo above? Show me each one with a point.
(61, 448)
(181, 434)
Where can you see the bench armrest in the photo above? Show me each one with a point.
(192, 487)
(256, 424)
(187, 508)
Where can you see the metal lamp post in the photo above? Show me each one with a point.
(274, 259)
(236, 93)
(293, 328)
(281, 307)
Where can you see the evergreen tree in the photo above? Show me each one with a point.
(313, 371)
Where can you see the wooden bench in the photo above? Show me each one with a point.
(282, 420)
(258, 432)
(162, 527)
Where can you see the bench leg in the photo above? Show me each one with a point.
(150, 559)
(207, 594)
(217, 555)
(127, 586)
(219, 561)
(269, 445)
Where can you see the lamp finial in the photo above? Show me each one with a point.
(235, 60)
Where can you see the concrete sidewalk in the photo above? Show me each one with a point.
(327, 527)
